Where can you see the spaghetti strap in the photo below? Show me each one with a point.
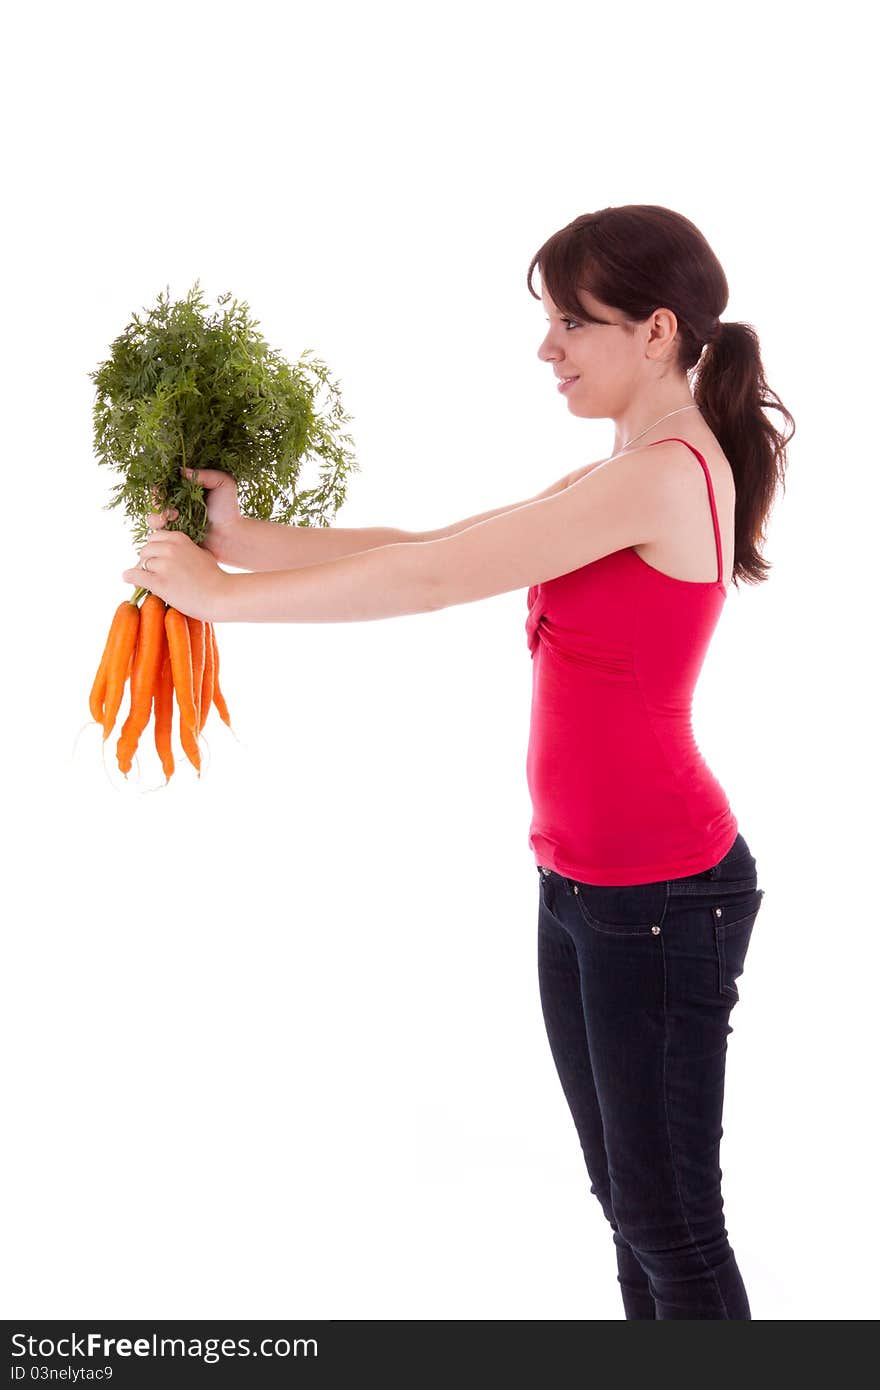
(695, 450)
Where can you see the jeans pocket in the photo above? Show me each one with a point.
(732, 921)
(634, 909)
(547, 881)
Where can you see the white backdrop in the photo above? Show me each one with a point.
(273, 1043)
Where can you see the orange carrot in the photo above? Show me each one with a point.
(190, 745)
(145, 673)
(180, 653)
(197, 646)
(163, 708)
(119, 662)
(218, 693)
(99, 685)
(208, 678)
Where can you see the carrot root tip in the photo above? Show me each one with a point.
(90, 725)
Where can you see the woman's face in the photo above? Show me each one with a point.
(600, 348)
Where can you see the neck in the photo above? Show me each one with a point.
(648, 409)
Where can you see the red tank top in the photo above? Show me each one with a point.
(620, 791)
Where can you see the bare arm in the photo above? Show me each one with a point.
(250, 544)
(484, 516)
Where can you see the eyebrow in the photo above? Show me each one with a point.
(583, 314)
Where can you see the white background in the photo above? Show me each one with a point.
(272, 1040)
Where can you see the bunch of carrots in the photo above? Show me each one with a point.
(162, 653)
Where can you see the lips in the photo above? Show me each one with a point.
(563, 384)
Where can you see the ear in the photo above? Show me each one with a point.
(664, 327)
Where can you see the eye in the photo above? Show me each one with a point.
(571, 321)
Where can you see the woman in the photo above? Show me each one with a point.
(648, 890)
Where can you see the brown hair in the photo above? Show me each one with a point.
(641, 257)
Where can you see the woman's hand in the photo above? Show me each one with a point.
(183, 574)
(221, 500)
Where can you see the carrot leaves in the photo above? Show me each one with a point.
(182, 387)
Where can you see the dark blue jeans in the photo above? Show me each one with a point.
(637, 984)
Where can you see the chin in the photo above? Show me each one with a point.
(584, 411)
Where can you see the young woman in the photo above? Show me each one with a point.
(648, 889)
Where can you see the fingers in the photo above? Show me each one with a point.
(156, 520)
(163, 538)
(207, 477)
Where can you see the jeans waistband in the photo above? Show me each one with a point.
(735, 873)
(709, 888)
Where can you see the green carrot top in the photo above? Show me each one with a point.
(184, 389)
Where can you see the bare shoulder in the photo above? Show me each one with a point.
(661, 459)
(669, 453)
(676, 478)
(685, 549)
(582, 472)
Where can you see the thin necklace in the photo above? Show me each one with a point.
(650, 427)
